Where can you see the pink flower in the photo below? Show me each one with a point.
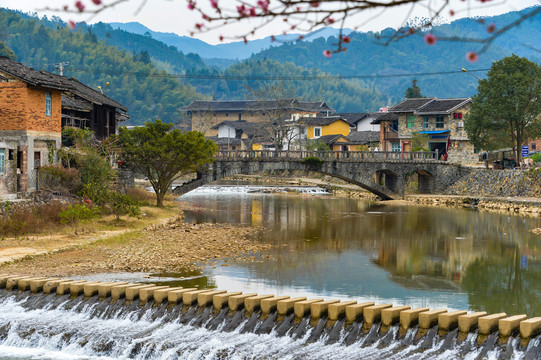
(252, 11)
(198, 26)
(346, 39)
(491, 28)
(451, 12)
(214, 4)
(327, 53)
(315, 3)
(221, 38)
(191, 5)
(71, 25)
(264, 5)
(79, 5)
(472, 56)
(430, 39)
(96, 2)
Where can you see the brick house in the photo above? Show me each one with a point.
(33, 105)
(441, 120)
(242, 135)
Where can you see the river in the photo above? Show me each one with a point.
(335, 248)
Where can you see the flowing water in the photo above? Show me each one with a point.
(323, 247)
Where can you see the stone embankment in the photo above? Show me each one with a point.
(370, 316)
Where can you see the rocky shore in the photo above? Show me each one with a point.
(174, 246)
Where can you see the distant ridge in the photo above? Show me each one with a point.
(237, 50)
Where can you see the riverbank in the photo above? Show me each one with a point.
(157, 241)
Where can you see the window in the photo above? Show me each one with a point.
(240, 116)
(439, 122)
(2, 161)
(48, 103)
(395, 146)
(425, 122)
(317, 132)
(226, 114)
(533, 146)
(410, 121)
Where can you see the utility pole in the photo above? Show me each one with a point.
(61, 66)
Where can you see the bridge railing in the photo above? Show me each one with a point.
(329, 155)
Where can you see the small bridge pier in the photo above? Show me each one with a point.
(382, 173)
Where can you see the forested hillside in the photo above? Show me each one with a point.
(147, 92)
(364, 56)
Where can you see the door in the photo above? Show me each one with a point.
(406, 147)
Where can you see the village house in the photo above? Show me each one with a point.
(204, 115)
(318, 126)
(361, 121)
(33, 107)
(440, 120)
(242, 135)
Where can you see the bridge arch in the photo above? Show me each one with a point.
(373, 171)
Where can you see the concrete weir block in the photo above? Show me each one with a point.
(391, 316)
(104, 289)
(236, 302)
(429, 318)
(4, 278)
(64, 287)
(24, 284)
(132, 292)
(371, 314)
(301, 308)
(354, 312)
(338, 310)
(449, 321)
(267, 305)
(254, 302)
(468, 322)
(507, 326)
(409, 318)
(119, 291)
(161, 295)
(12, 282)
(487, 324)
(320, 308)
(529, 328)
(37, 285)
(147, 294)
(91, 289)
(77, 289)
(175, 296)
(218, 301)
(287, 306)
(205, 299)
(52, 285)
(190, 297)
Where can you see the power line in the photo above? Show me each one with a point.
(286, 78)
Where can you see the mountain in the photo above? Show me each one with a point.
(237, 50)
(366, 57)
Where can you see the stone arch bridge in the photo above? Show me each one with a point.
(382, 173)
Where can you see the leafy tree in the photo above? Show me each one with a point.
(163, 155)
(419, 142)
(5, 51)
(506, 111)
(316, 145)
(413, 91)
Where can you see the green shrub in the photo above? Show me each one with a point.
(313, 162)
(121, 204)
(74, 214)
(536, 157)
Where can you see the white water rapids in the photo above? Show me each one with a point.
(47, 327)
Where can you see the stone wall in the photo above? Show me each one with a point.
(499, 183)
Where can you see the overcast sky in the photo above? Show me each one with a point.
(173, 15)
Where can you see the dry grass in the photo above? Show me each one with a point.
(30, 219)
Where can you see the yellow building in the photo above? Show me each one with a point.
(319, 126)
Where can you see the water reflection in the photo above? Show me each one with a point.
(408, 254)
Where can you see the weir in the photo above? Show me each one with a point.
(144, 321)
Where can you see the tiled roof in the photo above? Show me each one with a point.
(258, 105)
(385, 117)
(52, 81)
(33, 77)
(442, 106)
(353, 117)
(328, 139)
(363, 137)
(410, 105)
(322, 120)
(72, 103)
(224, 141)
